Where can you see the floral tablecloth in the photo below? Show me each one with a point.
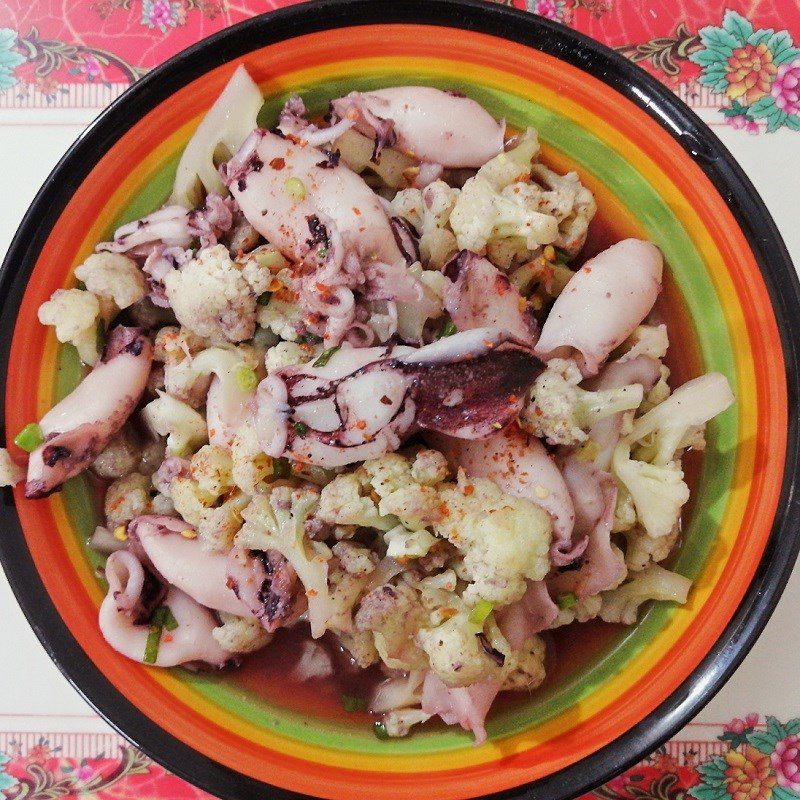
(734, 61)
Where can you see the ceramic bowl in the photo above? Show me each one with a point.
(658, 173)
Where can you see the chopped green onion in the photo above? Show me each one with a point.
(325, 357)
(566, 601)
(295, 188)
(170, 623)
(162, 618)
(281, 467)
(29, 438)
(351, 703)
(482, 610)
(379, 729)
(310, 338)
(80, 285)
(300, 428)
(448, 329)
(263, 299)
(246, 378)
(561, 257)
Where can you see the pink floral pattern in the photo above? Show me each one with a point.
(786, 762)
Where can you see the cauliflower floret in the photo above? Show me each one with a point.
(344, 589)
(658, 394)
(624, 511)
(175, 347)
(355, 559)
(259, 266)
(562, 191)
(218, 526)
(250, 465)
(287, 354)
(653, 583)
(211, 467)
(428, 211)
(163, 505)
(582, 610)
(403, 544)
(184, 428)
(75, 315)
(504, 539)
(398, 723)
(393, 471)
(414, 505)
(394, 614)
(385, 474)
(281, 315)
(658, 491)
(275, 520)
(11, 473)
(120, 457)
(189, 499)
(341, 503)
(113, 275)
(430, 467)
(643, 549)
(361, 647)
(482, 213)
(513, 165)
(459, 652)
(646, 340)
(211, 298)
(127, 498)
(524, 668)
(672, 425)
(561, 412)
(240, 634)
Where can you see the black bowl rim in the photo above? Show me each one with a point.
(630, 81)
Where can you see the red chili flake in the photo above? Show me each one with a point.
(357, 211)
(167, 637)
(587, 270)
(386, 401)
(468, 490)
(512, 398)
(278, 163)
(361, 424)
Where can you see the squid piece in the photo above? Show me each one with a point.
(533, 613)
(227, 403)
(364, 402)
(432, 125)
(602, 304)
(605, 433)
(183, 563)
(478, 295)
(520, 465)
(190, 641)
(594, 494)
(266, 583)
(173, 227)
(77, 429)
(312, 210)
(466, 706)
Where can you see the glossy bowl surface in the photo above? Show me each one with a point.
(658, 173)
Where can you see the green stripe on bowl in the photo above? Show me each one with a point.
(699, 296)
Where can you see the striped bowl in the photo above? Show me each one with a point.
(658, 173)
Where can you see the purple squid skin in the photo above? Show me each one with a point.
(78, 428)
(365, 402)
